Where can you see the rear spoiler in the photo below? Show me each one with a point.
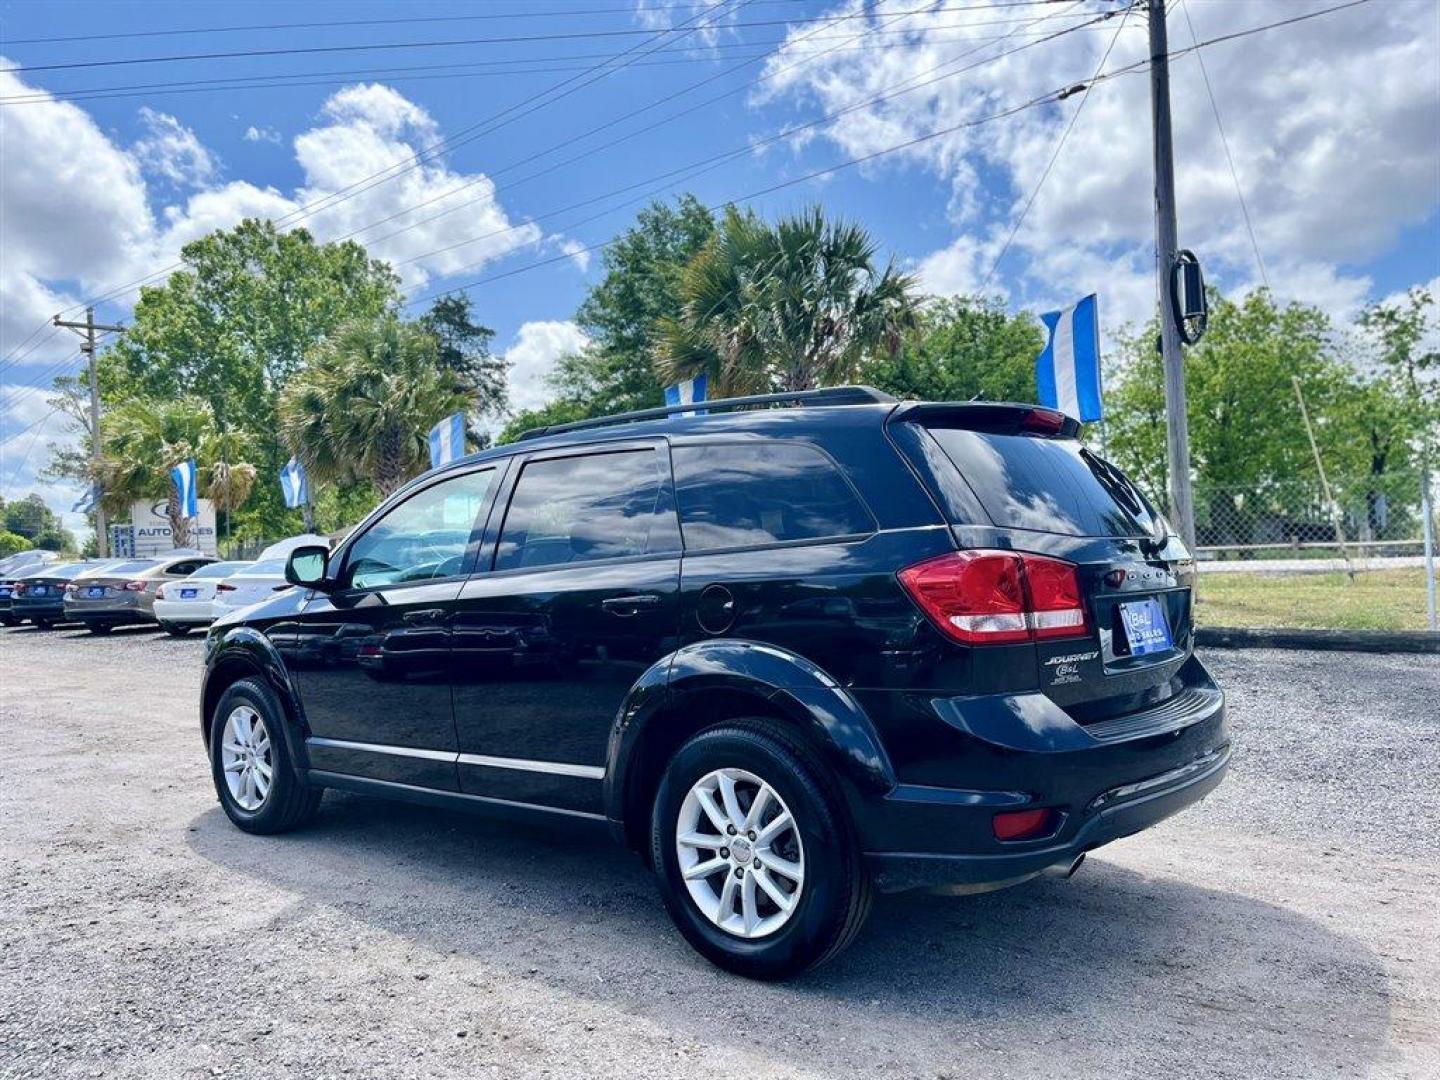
(993, 417)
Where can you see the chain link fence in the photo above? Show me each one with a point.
(1286, 555)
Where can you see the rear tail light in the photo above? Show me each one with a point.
(71, 590)
(160, 593)
(18, 589)
(998, 597)
(222, 587)
(1024, 824)
(134, 586)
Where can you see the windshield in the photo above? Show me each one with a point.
(1049, 485)
(220, 569)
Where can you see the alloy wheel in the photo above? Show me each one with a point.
(740, 853)
(245, 755)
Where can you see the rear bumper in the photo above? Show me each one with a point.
(38, 609)
(190, 612)
(1119, 812)
(106, 612)
(975, 757)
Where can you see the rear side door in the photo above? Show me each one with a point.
(371, 657)
(580, 597)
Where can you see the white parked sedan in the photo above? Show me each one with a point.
(256, 582)
(192, 601)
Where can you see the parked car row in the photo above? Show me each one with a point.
(180, 591)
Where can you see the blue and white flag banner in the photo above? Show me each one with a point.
(1067, 371)
(688, 392)
(183, 476)
(294, 484)
(86, 502)
(447, 440)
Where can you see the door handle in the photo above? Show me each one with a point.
(630, 605)
(425, 617)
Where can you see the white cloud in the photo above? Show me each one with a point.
(532, 357)
(261, 134)
(171, 151)
(82, 214)
(708, 19)
(1331, 123)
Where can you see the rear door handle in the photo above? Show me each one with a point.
(630, 605)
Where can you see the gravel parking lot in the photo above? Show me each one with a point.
(1286, 928)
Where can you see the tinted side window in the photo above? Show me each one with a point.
(424, 537)
(596, 506)
(751, 494)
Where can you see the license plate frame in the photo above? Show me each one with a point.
(189, 594)
(1147, 630)
(95, 592)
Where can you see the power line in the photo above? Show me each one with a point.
(616, 142)
(508, 39)
(417, 159)
(1229, 157)
(692, 54)
(348, 23)
(1053, 96)
(713, 161)
(459, 138)
(1055, 156)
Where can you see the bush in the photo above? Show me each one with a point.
(11, 542)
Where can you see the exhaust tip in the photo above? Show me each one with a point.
(1074, 866)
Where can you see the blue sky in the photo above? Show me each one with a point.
(1332, 124)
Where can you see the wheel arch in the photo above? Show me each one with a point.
(245, 653)
(719, 681)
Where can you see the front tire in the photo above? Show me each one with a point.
(755, 857)
(250, 763)
(175, 629)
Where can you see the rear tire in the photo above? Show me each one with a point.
(247, 729)
(815, 863)
(175, 629)
(44, 624)
(100, 628)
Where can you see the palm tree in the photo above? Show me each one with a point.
(144, 438)
(786, 307)
(363, 406)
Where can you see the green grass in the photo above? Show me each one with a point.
(1375, 600)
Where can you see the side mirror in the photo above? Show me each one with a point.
(307, 567)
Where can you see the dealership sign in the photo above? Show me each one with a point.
(151, 527)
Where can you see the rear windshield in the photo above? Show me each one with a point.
(1049, 485)
(219, 569)
(268, 568)
(133, 567)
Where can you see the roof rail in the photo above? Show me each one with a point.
(830, 395)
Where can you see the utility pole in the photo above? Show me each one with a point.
(1167, 245)
(88, 330)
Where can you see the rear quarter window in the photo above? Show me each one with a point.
(755, 494)
(1048, 485)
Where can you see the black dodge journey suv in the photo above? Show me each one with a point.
(792, 650)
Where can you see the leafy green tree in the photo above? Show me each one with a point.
(363, 406)
(28, 517)
(1245, 427)
(234, 325)
(961, 348)
(641, 285)
(462, 346)
(789, 306)
(11, 542)
(563, 411)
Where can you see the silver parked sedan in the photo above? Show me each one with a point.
(125, 594)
